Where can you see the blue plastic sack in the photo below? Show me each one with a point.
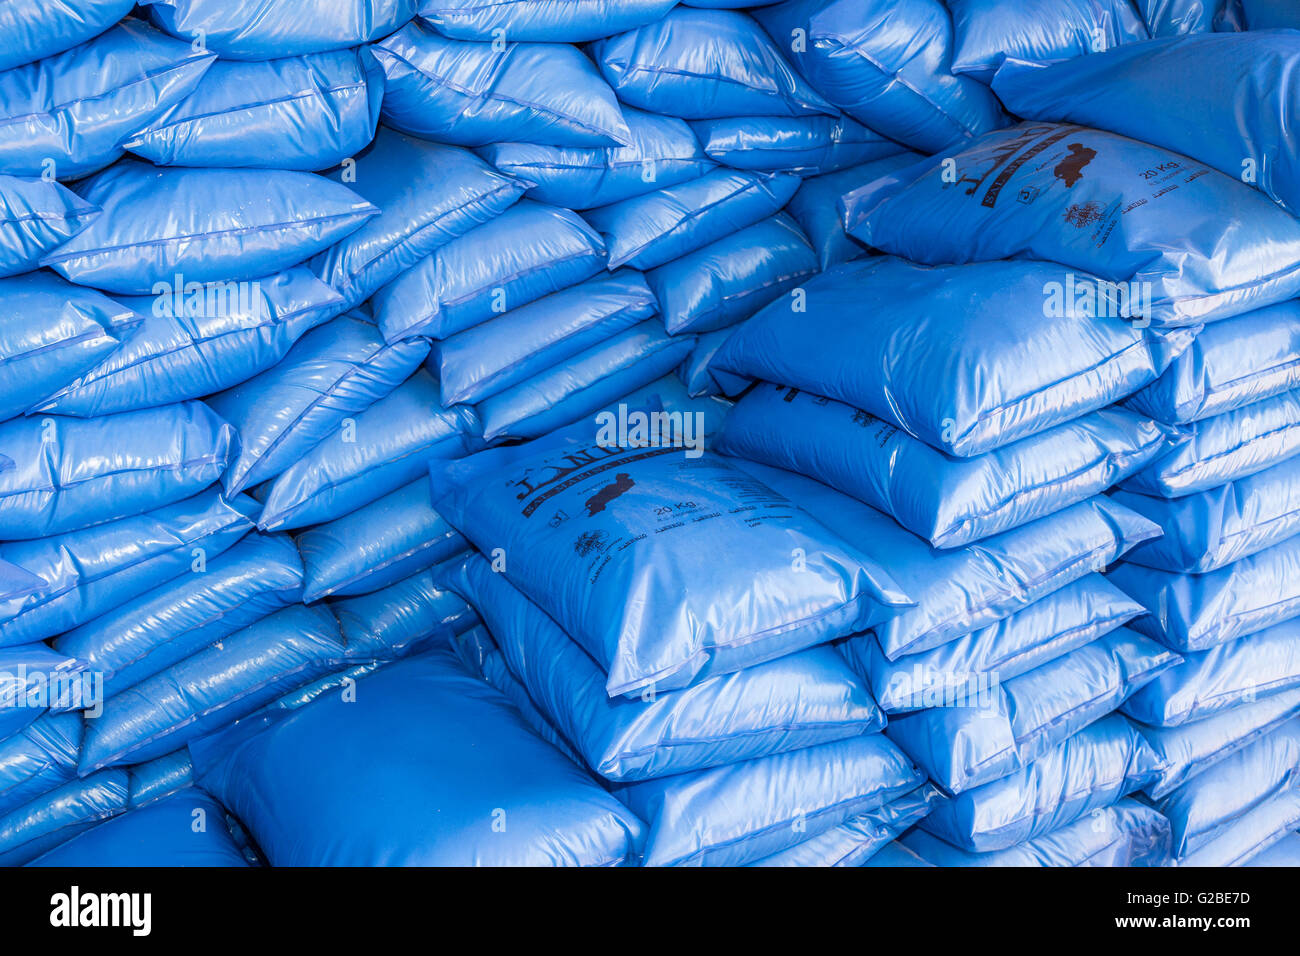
(705, 65)
(1174, 17)
(1178, 243)
(582, 384)
(965, 358)
(1221, 449)
(57, 816)
(393, 620)
(1068, 618)
(1089, 771)
(161, 777)
(985, 728)
(698, 373)
(961, 590)
(472, 94)
(38, 759)
(388, 445)
(816, 207)
(729, 280)
(53, 332)
(68, 115)
(511, 348)
(36, 216)
(305, 112)
(257, 30)
(212, 688)
(15, 582)
(1285, 852)
(1182, 94)
(1192, 748)
(1210, 530)
(1258, 772)
(529, 251)
(1193, 612)
(1231, 364)
(600, 535)
(186, 829)
(331, 374)
(985, 32)
(1128, 833)
(807, 145)
(95, 570)
(797, 701)
(661, 151)
(895, 855)
(377, 545)
(650, 230)
(457, 755)
(740, 813)
(548, 21)
(134, 641)
(197, 342)
(947, 501)
(1225, 676)
(887, 64)
(35, 29)
(35, 678)
(859, 839)
(1251, 834)
(77, 472)
(427, 195)
(206, 225)
(1267, 14)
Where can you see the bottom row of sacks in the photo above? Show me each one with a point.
(440, 759)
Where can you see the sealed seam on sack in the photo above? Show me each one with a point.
(807, 145)
(797, 701)
(624, 517)
(570, 21)
(858, 839)
(948, 501)
(35, 217)
(960, 356)
(57, 816)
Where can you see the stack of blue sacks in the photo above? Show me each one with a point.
(952, 424)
